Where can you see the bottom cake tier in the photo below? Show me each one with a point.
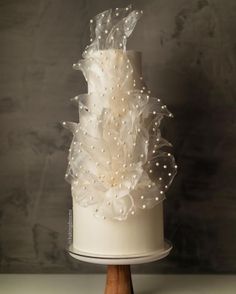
(139, 235)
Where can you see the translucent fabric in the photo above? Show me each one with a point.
(116, 159)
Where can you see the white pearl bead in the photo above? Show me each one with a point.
(160, 179)
(156, 198)
(164, 166)
(144, 206)
(142, 197)
(161, 192)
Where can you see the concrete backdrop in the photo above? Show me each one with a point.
(189, 61)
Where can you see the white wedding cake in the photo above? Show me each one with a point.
(118, 172)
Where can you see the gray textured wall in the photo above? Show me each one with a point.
(189, 61)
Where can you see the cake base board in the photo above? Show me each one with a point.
(118, 260)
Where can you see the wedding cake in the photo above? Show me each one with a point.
(118, 170)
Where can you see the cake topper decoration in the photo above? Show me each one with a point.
(116, 160)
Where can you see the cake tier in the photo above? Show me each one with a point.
(140, 234)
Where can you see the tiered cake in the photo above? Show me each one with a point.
(118, 172)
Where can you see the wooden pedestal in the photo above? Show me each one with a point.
(119, 280)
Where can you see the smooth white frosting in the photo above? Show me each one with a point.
(138, 235)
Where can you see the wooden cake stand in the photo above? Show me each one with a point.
(119, 280)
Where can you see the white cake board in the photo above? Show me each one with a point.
(116, 260)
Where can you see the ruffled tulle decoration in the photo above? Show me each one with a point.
(116, 160)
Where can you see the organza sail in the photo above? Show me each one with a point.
(116, 161)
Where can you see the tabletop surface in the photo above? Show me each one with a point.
(94, 283)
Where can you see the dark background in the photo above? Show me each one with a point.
(189, 61)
